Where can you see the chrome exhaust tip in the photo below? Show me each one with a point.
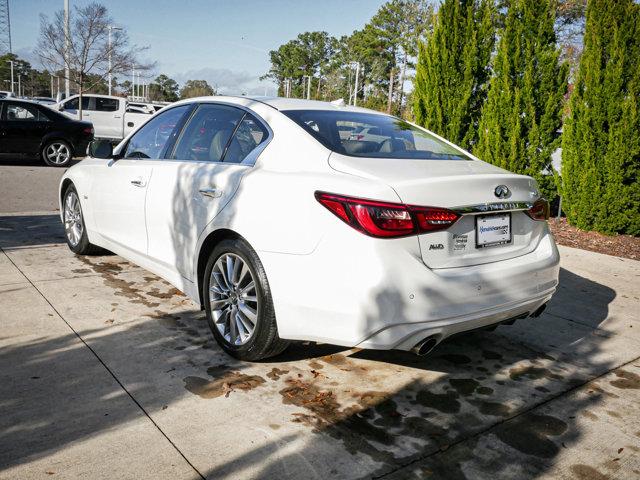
(424, 347)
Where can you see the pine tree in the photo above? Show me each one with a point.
(601, 138)
(520, 122)
(453, 69)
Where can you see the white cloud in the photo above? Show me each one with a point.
(226, 81)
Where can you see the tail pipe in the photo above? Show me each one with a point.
(424, 347)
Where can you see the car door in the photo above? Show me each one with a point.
(119, 189)
(196, 180)
(71, 107)
(23, 126)
(106, 116)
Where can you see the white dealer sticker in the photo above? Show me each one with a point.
(493, 230)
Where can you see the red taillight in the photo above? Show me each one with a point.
(383, 219)
(540, 210)
(88, 131)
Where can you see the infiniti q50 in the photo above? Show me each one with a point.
(282, 228)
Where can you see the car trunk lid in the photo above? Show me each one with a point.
(468, 187)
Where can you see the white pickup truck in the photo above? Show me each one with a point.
(112, 117)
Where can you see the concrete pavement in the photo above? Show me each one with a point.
(106, 371)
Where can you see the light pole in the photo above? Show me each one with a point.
(133, 81)
(67, 42)
(111, 27)
(355, 92)
(11, 62)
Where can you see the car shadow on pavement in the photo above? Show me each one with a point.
(30, 230)
(481, 405)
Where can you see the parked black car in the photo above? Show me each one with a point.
(28, 128)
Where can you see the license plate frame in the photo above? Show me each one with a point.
(501, 240)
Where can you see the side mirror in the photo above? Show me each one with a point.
(61, 107)
(100, 149)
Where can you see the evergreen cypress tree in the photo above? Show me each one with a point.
(520, 122)
(453, 69)
(601, 138)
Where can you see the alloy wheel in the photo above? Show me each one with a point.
(73, 219)
(57, 153)
(233, 299)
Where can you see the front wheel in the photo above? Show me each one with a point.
(74, 228)
(57, 153)
(238, 302)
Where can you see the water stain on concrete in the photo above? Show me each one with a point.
(316, 365)
(276, 373)
(464, 386)
(172, 292)
(350, 425)
(585, 472)
(532, 373)
(530, 434)
(492, 408)
(484, 391)
(336, 359)
(626, 380)
(81, 270)
(122, 287)
(224, 385)
(443, 402)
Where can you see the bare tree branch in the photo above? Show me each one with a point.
(89, 50)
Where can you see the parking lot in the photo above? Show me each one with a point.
(106, 371)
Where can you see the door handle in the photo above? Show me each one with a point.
(138, 182)
(211, 192)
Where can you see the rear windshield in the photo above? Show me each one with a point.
(372, 135)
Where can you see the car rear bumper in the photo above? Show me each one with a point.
(379, 294)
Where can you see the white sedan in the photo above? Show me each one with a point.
(282, 229)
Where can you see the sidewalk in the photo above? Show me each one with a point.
(107, 372)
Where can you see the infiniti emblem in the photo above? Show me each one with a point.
(502, 191)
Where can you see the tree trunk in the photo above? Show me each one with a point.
(80, 84)
(402, 74)
(390, 101)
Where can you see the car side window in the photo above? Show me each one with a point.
(206, 136)
(249, 134)
(24, 113)
(74, 103)
(150, 140)
(107, 104)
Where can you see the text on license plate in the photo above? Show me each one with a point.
(494, 229)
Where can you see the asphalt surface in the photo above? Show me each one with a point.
(106, 371)
(28, 185)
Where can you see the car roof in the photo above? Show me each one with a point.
(19, 100)
(282, 104)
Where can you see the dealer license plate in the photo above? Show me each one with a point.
(492, 230)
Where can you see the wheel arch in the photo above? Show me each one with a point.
(207, 246)
(63, 188)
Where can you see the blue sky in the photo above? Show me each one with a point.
(224, 42)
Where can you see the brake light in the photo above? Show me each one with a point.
(540, 210)
(88, 131)
(384, 219)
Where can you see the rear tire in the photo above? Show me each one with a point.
(57, 153)
(238, 302)
(74, 228)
